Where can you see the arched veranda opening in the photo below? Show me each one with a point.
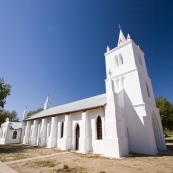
(157, 132)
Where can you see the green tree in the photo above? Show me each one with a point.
(7, 114)
(4, 92)
(30, 113)
(166, 112)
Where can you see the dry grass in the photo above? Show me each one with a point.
(85, 163)
(78, 163)
(95, 156)
(44, 163)
(70, 170)
(19, 151)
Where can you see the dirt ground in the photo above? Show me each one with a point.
(20, 151)
(80, 163)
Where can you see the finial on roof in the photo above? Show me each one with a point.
(128, 37)
(47, 99)
(47, 103)
(138, 47)
(119, 26)
(25, 113)
(121, 39)
(108, 49)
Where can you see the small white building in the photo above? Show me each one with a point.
(10, 132)
(124, 119)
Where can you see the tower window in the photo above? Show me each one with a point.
(148, 92)
(99, 128)
(62, 129)
(120, 59)
(14, 134)
(116, 61)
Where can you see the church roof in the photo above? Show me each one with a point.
(88, 103)
(16, 125)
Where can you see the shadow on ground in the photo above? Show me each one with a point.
(168, 152)
(13, 148)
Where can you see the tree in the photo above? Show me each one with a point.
(166, 112)
(30, 113)
(7, 114)
(4, 92)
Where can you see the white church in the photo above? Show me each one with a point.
(124, 119)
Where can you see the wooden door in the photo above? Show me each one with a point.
(77, 136)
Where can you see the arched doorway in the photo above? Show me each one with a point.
(157, 133)
(77, 137)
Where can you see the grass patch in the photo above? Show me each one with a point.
(12, 156)
(65, 167)
(49, 164)
(71, 170)
(95, 156)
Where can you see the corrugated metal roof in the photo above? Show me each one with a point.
(16, 125)
(91, 102)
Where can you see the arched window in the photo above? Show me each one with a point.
(77, 136)
(14, 134)
(99, 128)
(148, 92)
(120, 59)
(140, 60)
(116, 61)
(62, 129)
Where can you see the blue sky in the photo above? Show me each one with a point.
(57, 47)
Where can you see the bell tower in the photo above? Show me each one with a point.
(130, 101)
(127, 65)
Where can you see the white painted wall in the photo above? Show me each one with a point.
(7, 133)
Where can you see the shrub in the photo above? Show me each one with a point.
(66, 167)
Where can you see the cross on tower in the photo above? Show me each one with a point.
(109, 73)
